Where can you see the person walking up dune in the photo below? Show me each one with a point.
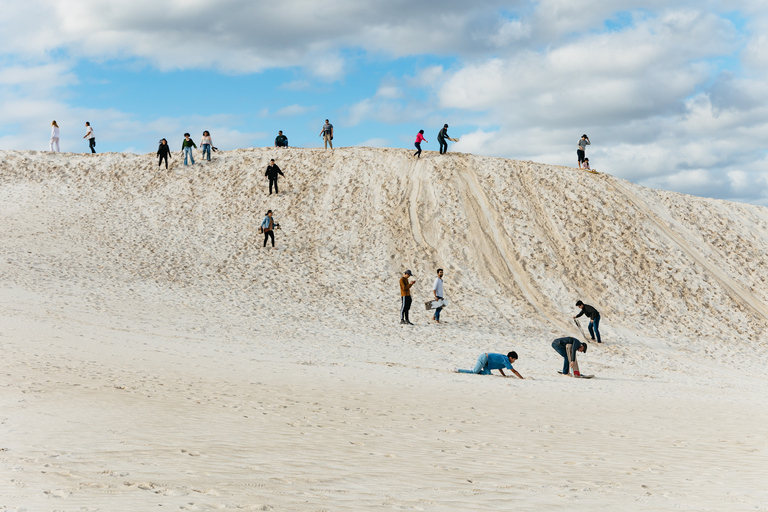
(206, 144)
(327, 134)
(419, 139)
(186, 149)
(581, 151)
(405, 297)
(90, 136)
(55, 137)
(272, 172)
(268, 228)
(441, 139)
(163, 152)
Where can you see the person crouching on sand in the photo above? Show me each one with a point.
(491, 361)
(419, 139)
(568, 347)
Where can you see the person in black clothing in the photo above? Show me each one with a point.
(281, 141)
(163, 152)
(441, 138)
(272, 171)
(594, 319)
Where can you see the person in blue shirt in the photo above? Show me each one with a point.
(490, 361)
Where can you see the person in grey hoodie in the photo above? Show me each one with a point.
(441, 138)
(580, 152)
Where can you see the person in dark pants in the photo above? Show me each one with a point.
(268, 227)
(90, 136)
(281, 141)
(419, 139)
(272, 171)
(437, 290)
(163, 152)
(441, 137)
(594, 320)
(581, 151)
(568, 347)
(405, 297)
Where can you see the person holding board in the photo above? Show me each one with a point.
(490, 361)
(594, 319)
(568, 347)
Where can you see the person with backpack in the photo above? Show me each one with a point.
(268, 228)
(327, 134)
(272, 172)
(441, 139)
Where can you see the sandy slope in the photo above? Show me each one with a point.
(156, 355)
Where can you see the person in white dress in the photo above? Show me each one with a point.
(55, 137)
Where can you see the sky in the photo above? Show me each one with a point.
(671, 93)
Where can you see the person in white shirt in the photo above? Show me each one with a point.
(90, 136)
(437, 289)
(55, 137)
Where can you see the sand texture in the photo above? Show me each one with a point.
(157, 357)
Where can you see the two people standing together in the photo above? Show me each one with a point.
(406, 282)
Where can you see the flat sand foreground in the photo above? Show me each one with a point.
(152, 364)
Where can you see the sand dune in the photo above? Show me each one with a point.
(157, 355)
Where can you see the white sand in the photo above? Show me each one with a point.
(156, 357)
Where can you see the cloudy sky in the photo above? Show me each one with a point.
(672, 93)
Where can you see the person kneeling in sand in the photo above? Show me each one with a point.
(490, 361)
(567, 347)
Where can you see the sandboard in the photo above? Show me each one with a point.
(580, 330)
(453, 139)
(434, 304)
(582, 377)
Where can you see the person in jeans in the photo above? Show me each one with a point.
(594, 319)
(281, 141)
(272, 172)
(581, 151)
(186, 148)
(441, 139)
(437, 289)
(419, 139)
(491, 361)
(205, 144)
(268, 226)
(405, 297)
(163, 152)
(327, 134)
(568, 347)
(90, 136)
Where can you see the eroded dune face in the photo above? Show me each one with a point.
(520, 241)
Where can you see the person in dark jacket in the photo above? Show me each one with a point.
(594, 319)
(281, 141)
(568, 347)
(272, 171)
(163, 152)
(441, 138)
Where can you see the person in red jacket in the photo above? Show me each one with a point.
(419, 139)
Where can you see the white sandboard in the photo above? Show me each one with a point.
(434, 304)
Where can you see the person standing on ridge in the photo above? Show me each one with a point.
(490, 361)
(327, 134)
(206, 144)
(268, 227)
(437, 289)
(568, 347)
(405, 296)
(281, 141)
(186, 149)
(419, 139)
(90, 136)
(272, 171)
(55, 137)
(441, 139)
(163, 152)
(594, 319)
(580, 152)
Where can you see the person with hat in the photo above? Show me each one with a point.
(405, 296)
(581, 151)
(594, 319)
(441, 138)
(567, 347)
(268, 228)
(490, 361)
